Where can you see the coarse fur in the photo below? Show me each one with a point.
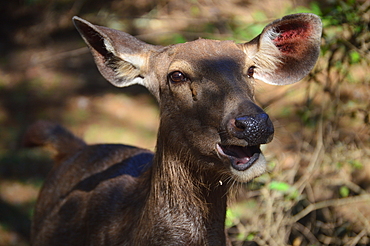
(209, 138)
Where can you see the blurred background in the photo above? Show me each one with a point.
(317, 189)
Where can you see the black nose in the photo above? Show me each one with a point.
(255, 129)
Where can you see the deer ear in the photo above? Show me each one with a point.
(287, 49)
(120, 57)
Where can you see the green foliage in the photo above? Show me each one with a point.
(354, 56)
(230, 217)
(346, 31)
(279, 186)
(356, 164)
(289, 191)
(344, 191)
(345, 48)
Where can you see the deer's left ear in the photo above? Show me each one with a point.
(286, 50)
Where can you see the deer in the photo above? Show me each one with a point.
(209, 137)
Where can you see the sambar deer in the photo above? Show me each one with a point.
(209, 137)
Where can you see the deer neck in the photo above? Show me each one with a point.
(187, 205)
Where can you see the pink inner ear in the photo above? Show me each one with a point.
(292, 36)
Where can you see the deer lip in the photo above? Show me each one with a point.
(241, 157)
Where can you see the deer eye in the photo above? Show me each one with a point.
(250, 72)
(177, 77)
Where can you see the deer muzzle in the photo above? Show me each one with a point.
(247, 132)
(254, 129)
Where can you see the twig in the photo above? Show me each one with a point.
(363, 219)
(307, 233)
(339, 182)
(301, 183)
(356, 239)
(329, 203)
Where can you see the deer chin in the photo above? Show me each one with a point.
(247, 162)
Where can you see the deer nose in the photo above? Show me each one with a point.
(255, 129)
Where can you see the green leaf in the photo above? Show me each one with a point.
(230, 218)
(279, 186)
(356, 164)
(355, 57)
(250, 237)
(344, 191)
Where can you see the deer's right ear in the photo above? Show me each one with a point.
(121, 58)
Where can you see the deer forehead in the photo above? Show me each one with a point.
(206, 56)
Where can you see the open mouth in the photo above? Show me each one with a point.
(241, 157)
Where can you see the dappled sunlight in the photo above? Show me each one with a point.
(316, 190)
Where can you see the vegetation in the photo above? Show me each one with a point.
(317, 189)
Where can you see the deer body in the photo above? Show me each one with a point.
(209, 136)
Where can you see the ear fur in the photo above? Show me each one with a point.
(120, 57)
(287, 49)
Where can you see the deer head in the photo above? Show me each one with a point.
(205, 87)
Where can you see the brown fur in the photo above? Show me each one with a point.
(209, 137)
